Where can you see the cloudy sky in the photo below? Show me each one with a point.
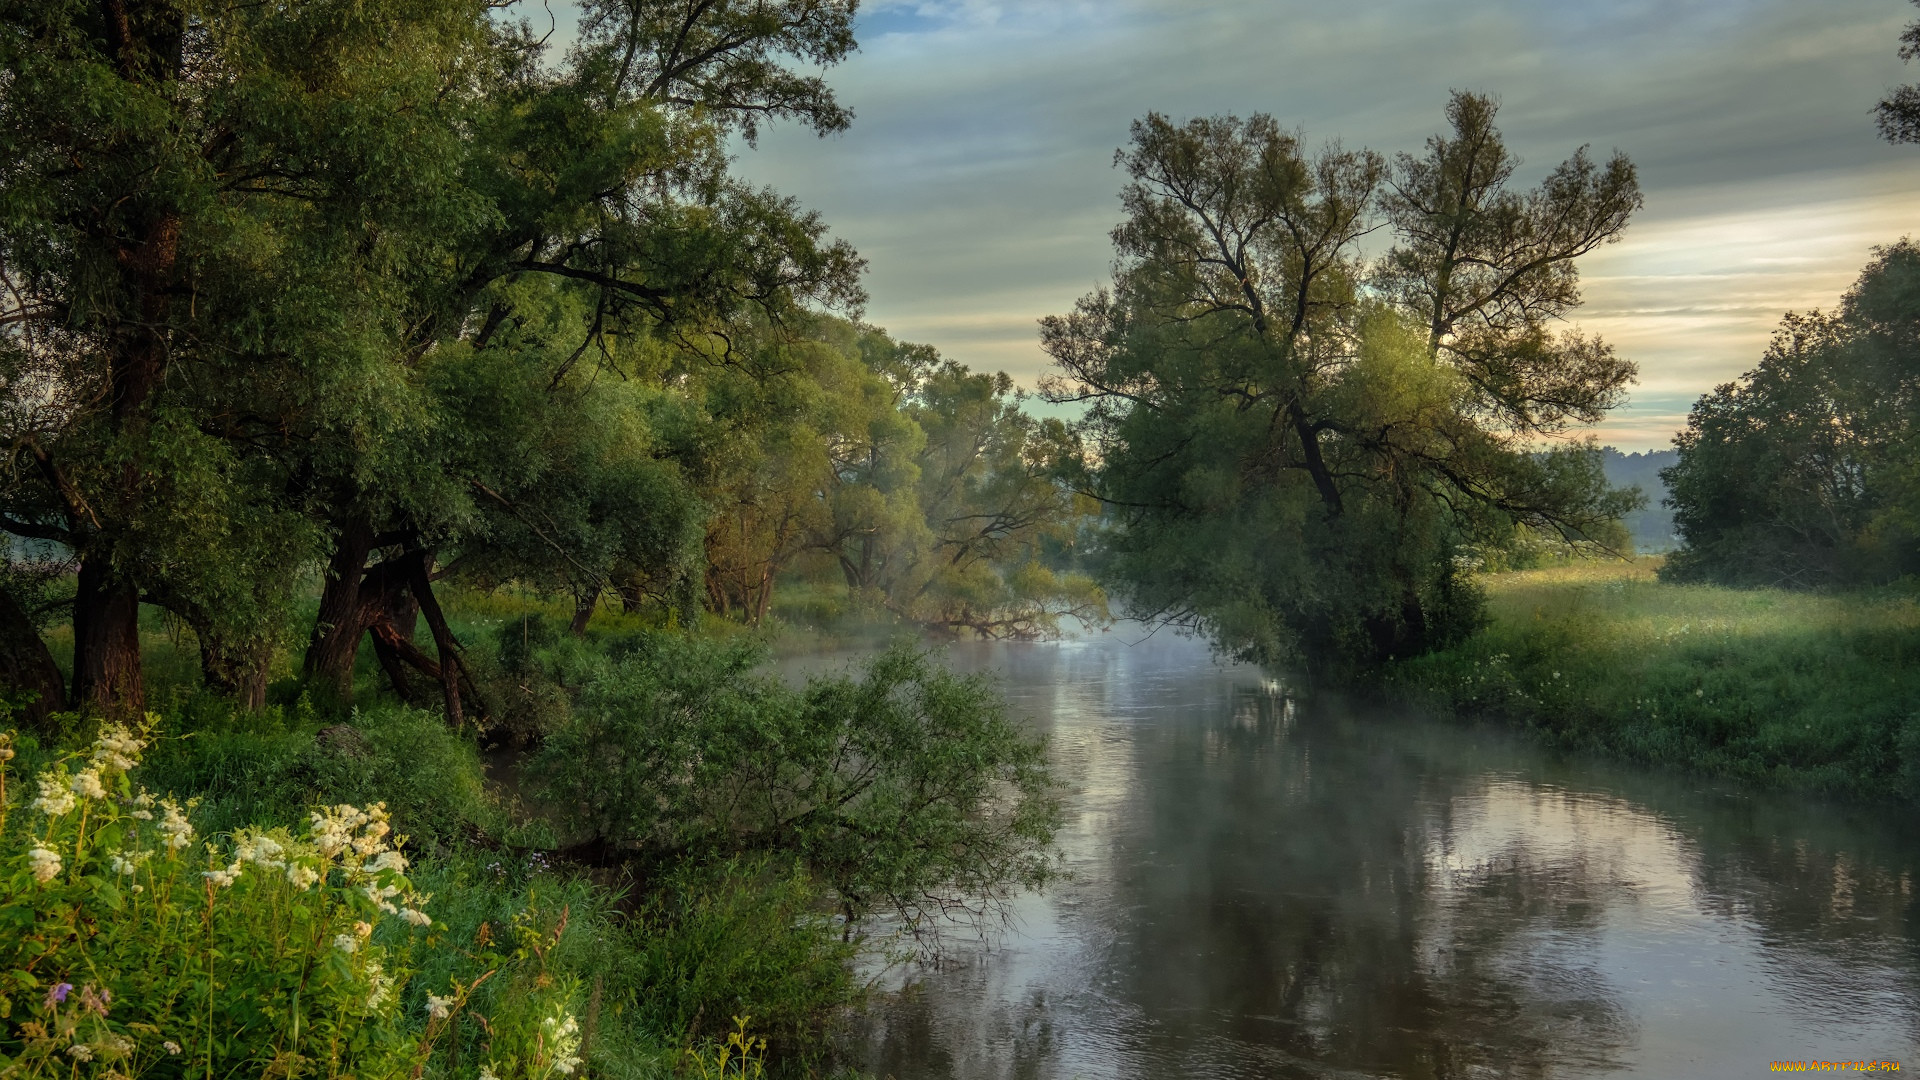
(978, 180)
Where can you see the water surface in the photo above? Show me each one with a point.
(1263, 887)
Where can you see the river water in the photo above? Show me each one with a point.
(1270, 887)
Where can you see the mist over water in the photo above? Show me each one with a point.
(1264, 886)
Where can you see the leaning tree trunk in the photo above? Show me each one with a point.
(340, 623)
(584, 601)
(395, 612)
(27, 669)
(106, 643)
(444, 644)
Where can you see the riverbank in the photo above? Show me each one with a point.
(678, 930)
(1786, 689)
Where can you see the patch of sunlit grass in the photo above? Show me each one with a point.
(1798, 689)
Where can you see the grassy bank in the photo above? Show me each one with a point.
(1797, 690)
(663, 888)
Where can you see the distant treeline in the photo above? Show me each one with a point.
(1651, 526)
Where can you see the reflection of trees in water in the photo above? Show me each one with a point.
(1829, 888)
(1287, 895)
(1319, 925)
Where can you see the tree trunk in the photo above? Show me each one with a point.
(237, 670)
(443, 641)
(765, 599)
(26, 667)
(583, 605)
(338, 626)
(106, 643)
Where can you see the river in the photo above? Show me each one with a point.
(1271, 886)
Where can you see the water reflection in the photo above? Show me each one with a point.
(1263, 889)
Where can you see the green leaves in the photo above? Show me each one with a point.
(1803, 472)
(905, 790)
(1294, 444)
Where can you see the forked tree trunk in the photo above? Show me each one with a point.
(106, 643)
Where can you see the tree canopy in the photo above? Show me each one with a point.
(1804, 471)
(1301, 447)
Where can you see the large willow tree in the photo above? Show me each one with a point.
(326, 283)
(1298, 445)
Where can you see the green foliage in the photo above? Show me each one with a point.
(1766, 686)
(428, 776)
(128, 951)
(921, 485)
(1804, 472)
(740, 1056)
(1296, 446)
(908, 789)
(739, 937)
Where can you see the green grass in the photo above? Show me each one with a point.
(1779, 688)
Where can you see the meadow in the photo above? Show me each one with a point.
(1812, 691)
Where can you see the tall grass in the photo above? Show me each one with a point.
(1781, 688)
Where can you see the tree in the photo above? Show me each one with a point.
(197, 203)
(1898, 114)
(999, 521)
(1296, 446)
(1804, 471)
(608, 176)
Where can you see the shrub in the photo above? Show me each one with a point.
(740, 937)
(907, 789)
(428, 775)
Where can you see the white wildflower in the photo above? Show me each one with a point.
(374, 894)
(563, 1033)
(56, 797)
(174, 825)
(389, 860)
(44, 862)
(302, 877)
(264, 850)
(143, 815)
(170, 1046)
(379, 985)
(223, 878)
(367, 845)
(416, 917)
(128, 862)
(329, 832)
(486, 1072)
(346, 943)
(80, 1051)
(117, 748)
(86, 784)
(439, 1008)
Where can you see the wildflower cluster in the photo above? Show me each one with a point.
(136, 955)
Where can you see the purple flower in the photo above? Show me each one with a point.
(95, 1001)
(57, 994)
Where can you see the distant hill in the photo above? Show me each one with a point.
(1652, 528)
